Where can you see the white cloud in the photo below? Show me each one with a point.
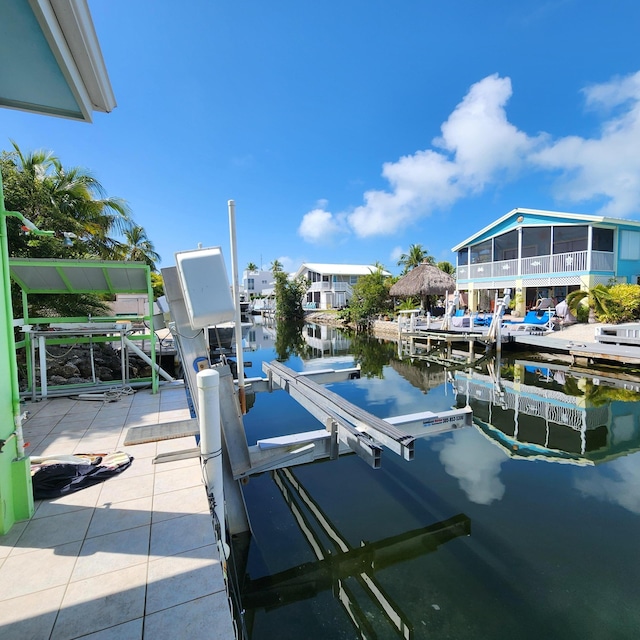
(319, 227)
(479, 148)
(606, 167)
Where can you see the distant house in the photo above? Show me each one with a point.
(546, 254)
(331, 285)
(254, 283)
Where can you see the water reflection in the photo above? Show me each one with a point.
(476, 464)
(348, 571)
(342, 551)
(549, 412)
(289, 341)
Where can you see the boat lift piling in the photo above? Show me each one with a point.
(211, 447)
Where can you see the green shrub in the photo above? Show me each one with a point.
(624, 305)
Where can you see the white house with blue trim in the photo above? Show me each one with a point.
(546, 254)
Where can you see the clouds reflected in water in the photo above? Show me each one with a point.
(476, 463)
(617, 482)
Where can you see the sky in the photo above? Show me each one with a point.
(347, 130)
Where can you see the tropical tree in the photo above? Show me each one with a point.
(137, 247)
(414, 257)
(69, 201)
(447, 267)
(276, 266)
(252, 266)
(593, 303)
(289, 294)
(370, 297)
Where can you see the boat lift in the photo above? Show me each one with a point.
(346, 427)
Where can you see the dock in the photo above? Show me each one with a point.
(614, 354)
(132, 557)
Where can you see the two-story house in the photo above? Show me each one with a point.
(331, 285)
(255, 282)
(546, 254)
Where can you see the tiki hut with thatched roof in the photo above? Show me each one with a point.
(423, 281)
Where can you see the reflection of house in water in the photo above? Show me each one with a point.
(421, 375)
(260, 336)
(325, 341)
(348, 571)
(552, 413)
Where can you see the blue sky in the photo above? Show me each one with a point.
(346, 130)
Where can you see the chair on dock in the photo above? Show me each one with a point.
(535, 320)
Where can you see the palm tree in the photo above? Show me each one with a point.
(138, 248)
(595, 299)
(276, 266)
(66, 200)
(447, 267)
(415, 256)
(252, 266)
(79, 201)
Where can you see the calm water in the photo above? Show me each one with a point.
(525, 525)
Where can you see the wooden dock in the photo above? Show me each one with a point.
(614, 354)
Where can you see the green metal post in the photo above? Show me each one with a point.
(16, 496)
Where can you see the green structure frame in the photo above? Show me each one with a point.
(48, 277)
(42, 276)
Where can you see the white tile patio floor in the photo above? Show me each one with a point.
(132, 557)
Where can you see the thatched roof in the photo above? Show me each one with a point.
(423, 280)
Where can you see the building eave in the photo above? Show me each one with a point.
(59, 36)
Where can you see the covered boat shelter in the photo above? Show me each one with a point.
(63, 277)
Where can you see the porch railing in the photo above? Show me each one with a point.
(571, 262)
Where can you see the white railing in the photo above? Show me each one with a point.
(535, 265)
(571, 262)
(320, 286)
(601, 261)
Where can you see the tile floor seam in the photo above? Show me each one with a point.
(146, 585)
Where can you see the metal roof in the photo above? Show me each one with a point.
(339, 269)
(36, 275)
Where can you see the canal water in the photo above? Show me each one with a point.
(524, 525)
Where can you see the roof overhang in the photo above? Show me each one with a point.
(37, 275)
(51, 59)
(551, 215)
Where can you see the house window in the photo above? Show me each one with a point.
(353, 279)
(250, 284)
(602, 239)
(505, 247)
(463, 257)
(481, 252)
(536, 241)
(629, 245)
(568, 239)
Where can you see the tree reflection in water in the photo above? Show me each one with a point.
(289, 341)
(372, 354)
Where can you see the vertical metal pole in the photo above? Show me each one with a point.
(42, 350)
(236, 302)
(208, 382)
(8, 337)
